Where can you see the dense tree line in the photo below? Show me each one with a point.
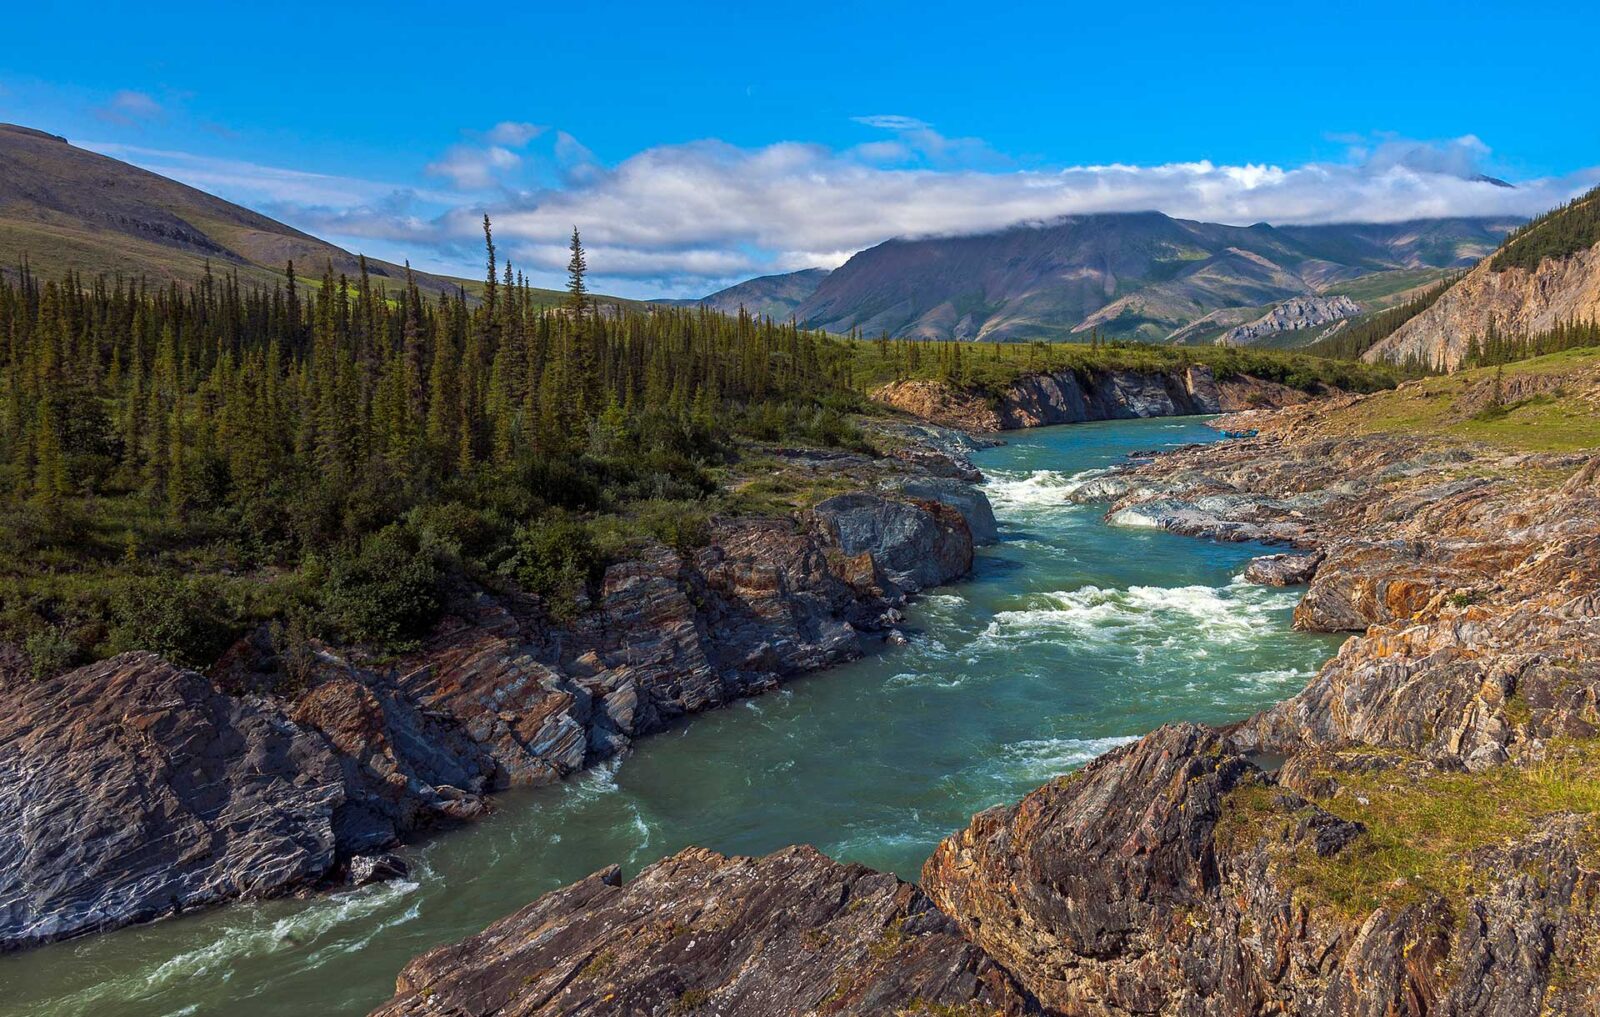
(1495, 347)
(1569, 229)
(359, 439)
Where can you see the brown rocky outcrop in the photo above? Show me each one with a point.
(1518, 301)
(1170, 878)
(1070, 397)
(790, 934)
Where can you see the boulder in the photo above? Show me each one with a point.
(971, 502)
(1282, 569)
(917, 545)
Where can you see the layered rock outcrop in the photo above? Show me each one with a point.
(1174, 877)
(790, 934)
(132, 789)
(1293, 315)
(1071, 397)
(1513, 301)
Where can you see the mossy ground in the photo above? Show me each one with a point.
(1422, 833)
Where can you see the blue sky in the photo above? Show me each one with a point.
(699, 144)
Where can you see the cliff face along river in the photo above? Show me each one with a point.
(1071, 637)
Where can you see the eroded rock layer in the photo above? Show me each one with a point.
(790, 934)
(1071, 397)
(132, 789)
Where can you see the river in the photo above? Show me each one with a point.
(1070, 638)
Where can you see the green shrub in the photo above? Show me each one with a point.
(386, 593)
(183, 620)
(556, 558)
(50, 652)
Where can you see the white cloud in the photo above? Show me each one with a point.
(473, 168)
(128, 107)
(892, 122)
(515, 134)
(685, 219)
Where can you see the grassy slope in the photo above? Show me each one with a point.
(1563, 415)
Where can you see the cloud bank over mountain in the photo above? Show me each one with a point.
(685, 219)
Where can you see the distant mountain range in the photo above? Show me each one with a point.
(1138, 275)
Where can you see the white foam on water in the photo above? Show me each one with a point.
(924, 679)
(1041, 488)
(1132, 517)
(1192, 618)
(247, 933)
(1036, 760)
(596, 782)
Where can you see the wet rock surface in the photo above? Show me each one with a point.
(792, 933)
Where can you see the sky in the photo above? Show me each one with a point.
(695, 145)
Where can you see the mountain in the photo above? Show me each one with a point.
(1138, 275)
(63, 207)
(1543, 276)
(769, 296)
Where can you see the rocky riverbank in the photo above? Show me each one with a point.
(1072, 397)
(1413, 834)
(132, 789)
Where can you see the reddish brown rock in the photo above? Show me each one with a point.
(792, 933)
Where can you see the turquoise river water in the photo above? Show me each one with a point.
(1070, 638)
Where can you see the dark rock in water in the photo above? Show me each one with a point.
(793, 933)
(972, 503)
(1282, 569)
(366, 869)
(132, 789)
(916, 545)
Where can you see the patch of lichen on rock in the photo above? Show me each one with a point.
(1425, 829)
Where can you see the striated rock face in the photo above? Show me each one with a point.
(1292, 315)
(1518, 301)
(792, 933)
(1068, 397)
(1169, 877)
(132, 789)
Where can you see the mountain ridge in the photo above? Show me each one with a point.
(1142, 275)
